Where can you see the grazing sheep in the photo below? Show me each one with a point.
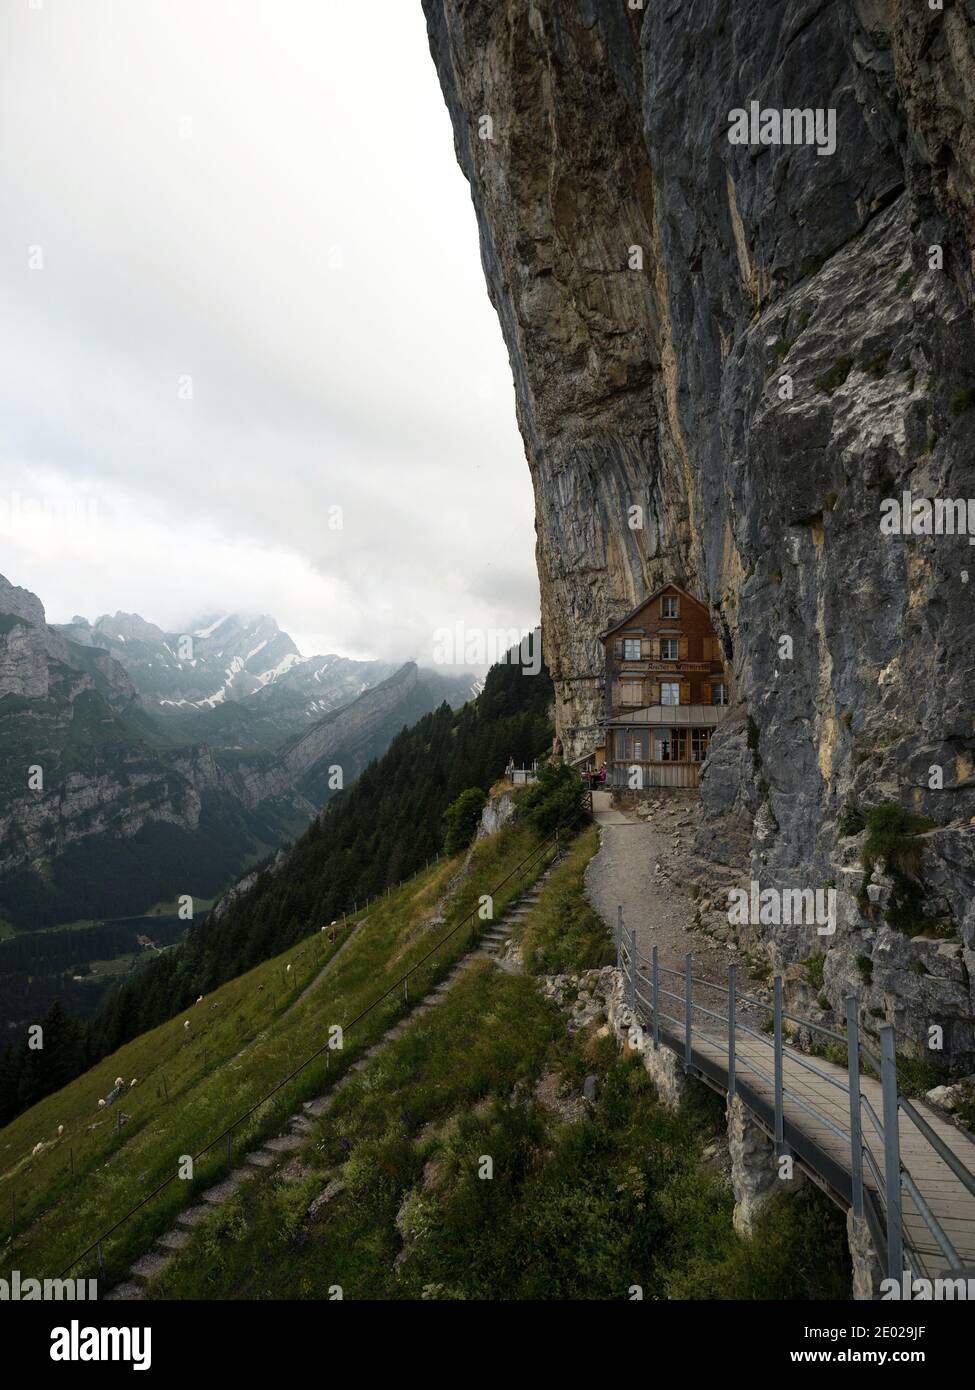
(37, 1148)
(119, 1081)
(60, 1130)
(101, 1105)
(200, 1000)
(288, 967)
(133, 1082)
(186, 1023)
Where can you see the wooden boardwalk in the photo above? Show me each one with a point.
(816, 1111)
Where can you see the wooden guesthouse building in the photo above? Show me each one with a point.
(666, 691)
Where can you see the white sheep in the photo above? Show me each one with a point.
(37, 1148)
(186, 1024)
(101, 1105)
(119, 1081)
(288, 968)
(133, 1082)
(60, 1130)
(200, 1000)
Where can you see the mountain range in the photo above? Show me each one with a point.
(132, 771)
(227, 659)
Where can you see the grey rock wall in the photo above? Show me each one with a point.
(657, 381)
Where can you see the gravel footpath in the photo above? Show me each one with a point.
(641, 864)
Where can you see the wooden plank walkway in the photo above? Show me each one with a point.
(828, 1151)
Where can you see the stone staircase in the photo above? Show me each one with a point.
(491, 945)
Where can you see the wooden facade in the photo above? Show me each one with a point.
(666, 690)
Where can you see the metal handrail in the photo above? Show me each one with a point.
(887, 1171)
(938, 1144)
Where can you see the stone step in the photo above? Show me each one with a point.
(174, 1239)
(149, 1266)
(260, 1158)
(123, 1292)
(220, 1192)
(193, 1216)
(284, 1143)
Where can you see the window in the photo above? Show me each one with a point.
(669, 648)
(669, 609)
(670, 692)
(670, 746)
(631, 648)
(630, 746)
(700, 738)
(719, 693)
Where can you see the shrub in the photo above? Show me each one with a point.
(461, 819)
(814, 969)
(850, 820)
(557, 798)
(892, 842)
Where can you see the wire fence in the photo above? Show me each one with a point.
(225, 1137)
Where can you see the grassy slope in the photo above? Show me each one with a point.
(578, 1210)
(185, 1097)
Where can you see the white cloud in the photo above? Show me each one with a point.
(308, 255)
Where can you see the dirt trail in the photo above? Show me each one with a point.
(641, 865)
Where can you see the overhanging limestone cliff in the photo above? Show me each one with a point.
(755, 345)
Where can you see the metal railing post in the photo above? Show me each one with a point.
(656, 1002)
(619, 937)
(777, 1026)
(892, 1154)
(688, 1009)
(732, 1006)
(632, 994)
(853, 1072)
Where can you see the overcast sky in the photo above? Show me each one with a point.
(260, 196)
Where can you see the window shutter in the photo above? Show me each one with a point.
(654, 692)
(685, 692)
(682, 649)
(655, 648)
(705, 692)
(618, 647)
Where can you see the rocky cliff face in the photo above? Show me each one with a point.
(754, 346)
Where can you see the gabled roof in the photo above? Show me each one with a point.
(625, 621)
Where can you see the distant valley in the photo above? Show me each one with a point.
(138, 765)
